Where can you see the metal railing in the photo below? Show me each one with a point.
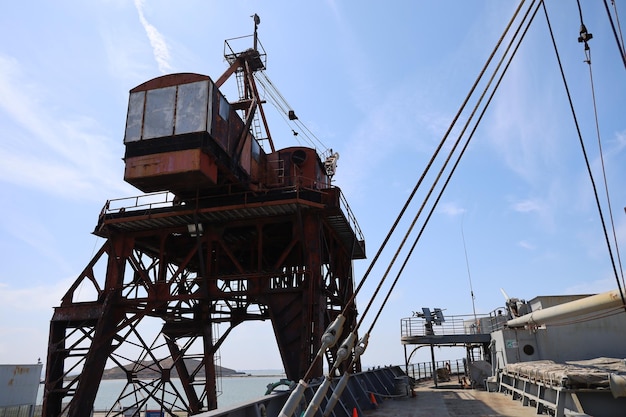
(235, 46)
(424, 370)
(350, 217)
(166, 199)
(454, 325)
(146, 202)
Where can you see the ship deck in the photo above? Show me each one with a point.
(450, 400)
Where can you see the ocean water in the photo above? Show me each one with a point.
(235, 389)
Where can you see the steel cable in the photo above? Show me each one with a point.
(584, 151)
(281, 104)
(618, 39)
(415, 189)
(606, 184)
(462, 152)
(430, 164)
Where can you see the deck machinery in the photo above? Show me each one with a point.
(226, 233)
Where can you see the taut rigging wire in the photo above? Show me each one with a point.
(343, 380)
(620, 43)
(281, 104)
(415, 189)
(455, 165)
(606, 184)
(582, 144)
(618, 39)
(462, 152)
(430, 164)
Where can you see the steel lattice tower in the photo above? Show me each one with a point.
(227, 234)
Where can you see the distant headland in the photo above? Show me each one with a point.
(151, 369)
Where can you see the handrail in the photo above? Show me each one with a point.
(230, 54)
(164, 199)
(424, 370)
(141, 202)
(454, 325)
(351, 217)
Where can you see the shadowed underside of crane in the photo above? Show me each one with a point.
(228, 233)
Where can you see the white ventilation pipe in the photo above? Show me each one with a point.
(617, 383)
(598, 302)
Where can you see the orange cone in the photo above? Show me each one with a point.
(354, 412)
(373, 399)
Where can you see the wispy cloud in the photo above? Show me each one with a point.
(122, 51)
(612, 154)
(157, 41)
(523, 133)
(451, 209)
(30, 332)
(65, 154)
(36, 234)
(526, 245)
(538, 208)
(12, 299)
(527, 206)
(620, 141)
(592, 287)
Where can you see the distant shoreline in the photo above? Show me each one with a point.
(235, 375)
(152, 370)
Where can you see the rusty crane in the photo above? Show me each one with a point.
(226, 233)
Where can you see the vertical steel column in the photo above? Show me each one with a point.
(209, 362)
(105, 330)
(53, 388)
(315, 297)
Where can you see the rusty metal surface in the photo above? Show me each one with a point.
(170, 80)
(247, 236)
(257, 266)
(187, 168)
(134, 216)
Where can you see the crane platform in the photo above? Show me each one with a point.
(162, 210)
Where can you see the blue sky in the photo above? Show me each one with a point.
(377, 83)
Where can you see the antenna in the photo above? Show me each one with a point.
(257, 20)
(469, 275)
